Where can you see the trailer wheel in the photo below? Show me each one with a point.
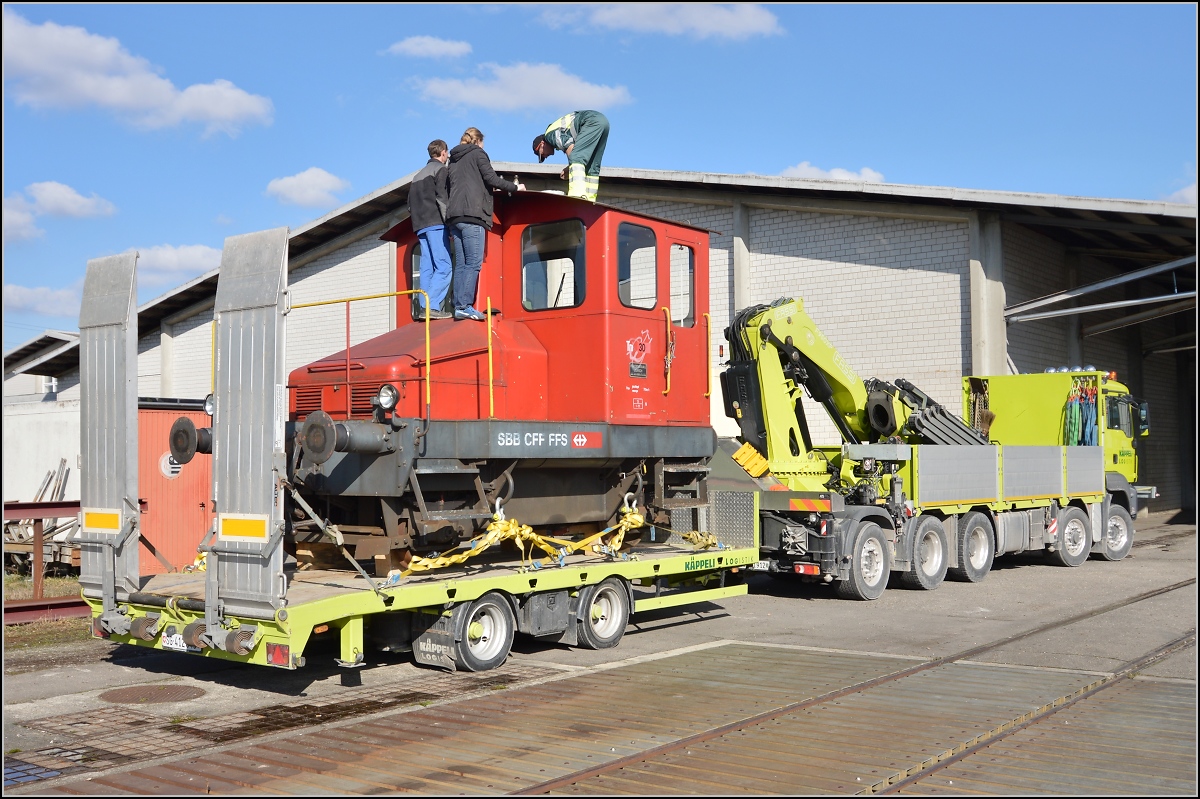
(1118, 537)
(488, 636)
(603, 614)
(976, 548)
(929, 552)
(870, 565)
(1074, 538)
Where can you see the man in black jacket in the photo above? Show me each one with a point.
(428, 201)
(470, 216)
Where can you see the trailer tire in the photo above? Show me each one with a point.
(488, 634)
(929, 556)
(1074, 538)
(603, 614)
(1118, 534)
(976, 548)
(870, 565)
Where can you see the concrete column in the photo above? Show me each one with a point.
(166, 354)
(741, 256)
(989, 342)
(1075, 322)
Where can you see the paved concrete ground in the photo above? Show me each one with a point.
(1022, 593)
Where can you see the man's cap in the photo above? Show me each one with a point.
(537, 142)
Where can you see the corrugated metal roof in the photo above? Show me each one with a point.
(1125, 233)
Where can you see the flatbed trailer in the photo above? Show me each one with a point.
(250, 601)
(430, 613)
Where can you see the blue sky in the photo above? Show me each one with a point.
(166, 128)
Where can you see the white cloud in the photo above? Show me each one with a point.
(312, 187)
(57, 66)
(1186, 196)
(58, 199)
(19, 224)
(806, 170)
(42, 300)
(522, 86)
(166, 264)
(430, 47)
(698, 20)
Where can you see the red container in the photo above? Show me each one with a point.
(175, 503)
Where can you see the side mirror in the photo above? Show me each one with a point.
(1141, 419)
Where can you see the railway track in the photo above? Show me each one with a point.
(905, 777)
(866, 723)
(23, 611)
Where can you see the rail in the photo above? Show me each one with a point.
(348, 300)
(670, 356)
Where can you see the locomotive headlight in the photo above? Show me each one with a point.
(210, 404)
(388, 395)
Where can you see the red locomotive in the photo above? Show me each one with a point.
(591, 384)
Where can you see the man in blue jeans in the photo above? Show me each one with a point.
(428, 201)
(469, 217)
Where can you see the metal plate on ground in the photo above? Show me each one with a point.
(699, 722)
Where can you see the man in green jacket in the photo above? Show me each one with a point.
(582, 136)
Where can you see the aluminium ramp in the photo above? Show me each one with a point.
(108, 434)
(245, 566)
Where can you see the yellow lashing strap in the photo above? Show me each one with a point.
(751, 460)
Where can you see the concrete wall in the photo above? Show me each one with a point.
(36, 436)
(1034, 266)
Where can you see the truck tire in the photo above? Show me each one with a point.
(488, 635)
(1074, 538)
(1118, 536)
(603, 614)
(929, 555)
(976, 548)
(870, 565)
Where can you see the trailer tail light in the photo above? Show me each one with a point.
(279, 655)
(98, 630)
(807, 568)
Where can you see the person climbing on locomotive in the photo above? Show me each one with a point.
(428, 201)
(470, 216)
(582, 135)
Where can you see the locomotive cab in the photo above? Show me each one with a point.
(588, 389)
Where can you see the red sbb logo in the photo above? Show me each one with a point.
(587, 440)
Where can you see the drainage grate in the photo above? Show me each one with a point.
(145, 694)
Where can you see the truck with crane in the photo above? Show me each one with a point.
(445, 485)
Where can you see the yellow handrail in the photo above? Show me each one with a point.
(708, 353)
(491, 397)
(670, 356)
(348, 300)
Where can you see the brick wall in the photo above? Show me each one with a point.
(192, 356)
(1034, 266)
(892, 295)
(357, 269)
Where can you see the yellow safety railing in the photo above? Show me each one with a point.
(491, 397)
(670, 356)
(708, 354)
(348, 300)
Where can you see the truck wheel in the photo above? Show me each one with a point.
(1118, 538)
(976, 548)
(488, 636)
(928, 560)
(1074, 538)
(870, 565)
(603, 614)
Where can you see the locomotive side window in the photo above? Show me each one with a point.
(415, 299)
(683, 285)
(636, 282)
(553, 273)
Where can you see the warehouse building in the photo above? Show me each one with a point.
(925, 283)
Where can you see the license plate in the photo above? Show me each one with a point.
(174, 642)
(761, 566)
